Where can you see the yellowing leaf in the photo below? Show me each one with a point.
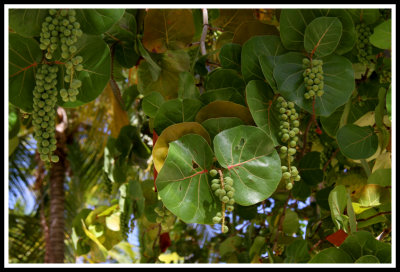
(167, 29)
(171, 258)
(367, 119)
(383, 161)
(222, 108)
(230, 19)
(113, 221)
(119, 116)
(172, 133)
(358, 209)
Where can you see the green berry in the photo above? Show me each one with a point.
(289, 186)
(215, 186)
(225, 199)
(213, 173)
(216, 219)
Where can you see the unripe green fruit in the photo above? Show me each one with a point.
(297, 178)
(230, 208)
(230, 194)
(283, 149)
(216, 219)
(231, 201)
(213, 173)
(215, 186)
(292, 151)
(282, 110)
(289, 186)
(311, 93)
(284, 168)
(218, 192)
(229, 181)
(286, 175)
(285, 137)
(225, 199)
(228, 188)
(315, 88)
(292, 144)
(225, 229)
(215, 181)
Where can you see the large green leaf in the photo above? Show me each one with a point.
(293, 23)
(123, 34)
(367, 16)
(337, 203)
(357, 142)
(260, 98)
(187, 86)
(216, 125)
(248, 156)
(151, 103)
(290, 223)
(96, 70)
(172, 63)
(338, 82)
(224, 78)
(367, 259)
(98, 21)
(322, 36)
(176, 111)
(268, 45)
(381, 37)
(310, 168)
(24, 55)
(183, 183)
(229, 56)
(297, 252)
(225, 94)
(364, 243)
(332, 255)
(27, 22)
(167, 29)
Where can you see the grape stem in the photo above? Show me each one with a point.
(221, 177)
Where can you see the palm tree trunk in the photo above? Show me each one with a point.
(57, 197)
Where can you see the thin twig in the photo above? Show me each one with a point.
(330, 159)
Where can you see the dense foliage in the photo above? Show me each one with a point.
(217, 135)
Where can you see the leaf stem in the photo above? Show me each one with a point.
(365, 165)
(221, 177)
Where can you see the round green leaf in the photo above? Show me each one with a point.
(260, 98)
(27, 22)
(367, 16)
(151, 103)
(293, 22)
(183, 183)
(216, 125)
(357, 142)
(224, 78)
(331, 255)
(310, 168)
(381, 37)
(322, 36)
(338, 82)
(249, 158)
(229, 56)
(297, 252)
(98, 21)
(24, 55)
(123, 34)
(268, 45)
(367, 259)
(96, 70)
(225, 94)
(187, 86)
(176, 111)
(290, 222)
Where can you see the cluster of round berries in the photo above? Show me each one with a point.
(224, 191)
(313, 78)
(163, 216)
(70, 67)
(363, 45)
(44, 101)
(60, 26)
(217, 219)
(289, 129)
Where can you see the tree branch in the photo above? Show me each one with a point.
(204, 33)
